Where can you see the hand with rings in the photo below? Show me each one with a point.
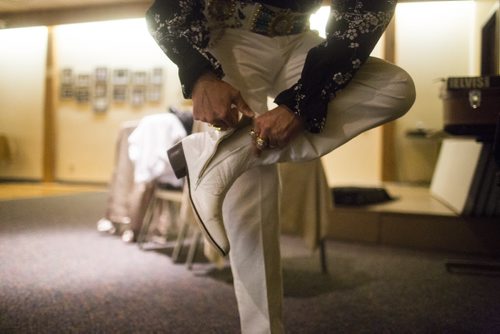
(215, 127)
(259, 142)
(275, 129)
(218, 103)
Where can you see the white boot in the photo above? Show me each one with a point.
(212, 161)
(211, 164)
(193, 158)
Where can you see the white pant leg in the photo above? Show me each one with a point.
(252, 224)
(378, 93)
(250, 209)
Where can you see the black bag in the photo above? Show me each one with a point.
(357, 196)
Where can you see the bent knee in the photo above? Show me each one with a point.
(403, 93)
(395, 86)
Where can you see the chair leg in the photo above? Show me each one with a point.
(173, 219)
(192, 250)
(322, 256)
(180, 241)
(148, 217)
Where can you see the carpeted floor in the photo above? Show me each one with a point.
(58, 275)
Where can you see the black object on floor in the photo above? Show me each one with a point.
(358, 196)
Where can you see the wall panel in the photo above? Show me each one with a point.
(22, 78)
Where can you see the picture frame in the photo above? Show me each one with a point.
(139, 78)
(120, 81)
(66, 89)
(120, 77)
(156, 77)
(82, 92)
(138, 96)
(154, 93)
(101, 75)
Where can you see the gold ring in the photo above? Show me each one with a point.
(260, 143)
(253, 134)
(216, 128)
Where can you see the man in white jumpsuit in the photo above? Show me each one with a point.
(232, 56)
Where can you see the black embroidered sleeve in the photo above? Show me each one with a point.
(353, 30)
(180, 29)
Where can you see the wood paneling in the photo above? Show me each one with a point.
(389, 171)
(49, 129)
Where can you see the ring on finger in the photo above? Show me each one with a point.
(216, 128)
(261, 143)
(253, 134)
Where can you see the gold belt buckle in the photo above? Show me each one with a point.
(271, 22)
(282, 24)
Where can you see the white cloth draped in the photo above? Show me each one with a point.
(148, 145)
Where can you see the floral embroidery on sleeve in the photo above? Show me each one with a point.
(353, 30)
(180, 28)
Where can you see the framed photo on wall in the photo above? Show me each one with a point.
(154, 93)
(138, 96)
(82, 93)
(66, 87)
(120, 77)
(155, 85)
(156, 76)
(120, 84)
(139, 78)
(101, 75)
(100, 98)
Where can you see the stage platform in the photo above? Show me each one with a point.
(416, 220)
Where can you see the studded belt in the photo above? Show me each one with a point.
(256, 17)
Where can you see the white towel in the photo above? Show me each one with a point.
(148, 145)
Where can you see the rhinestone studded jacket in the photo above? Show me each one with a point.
(181, 30)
